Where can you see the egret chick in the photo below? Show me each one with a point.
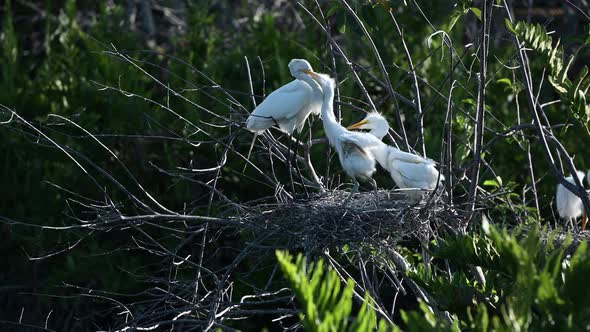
(375, 123)
(355, 150)
(408, 170)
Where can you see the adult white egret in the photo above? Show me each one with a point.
(288, 107)
(569, 205)
(355, 150)
(408, 170)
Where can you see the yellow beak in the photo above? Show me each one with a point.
(313, 75)
(358, 125)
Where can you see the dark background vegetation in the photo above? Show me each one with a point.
(56, 57)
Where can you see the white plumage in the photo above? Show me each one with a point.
(408, 170)
(289, 106)
(569, 206)
(375, 123)
(355, 156)
(355, 150)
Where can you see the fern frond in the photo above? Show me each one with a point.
(573, 94)
(325, 306)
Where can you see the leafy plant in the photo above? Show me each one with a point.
(530, 283)
(325, 306)
(573, 93)
(8, 54)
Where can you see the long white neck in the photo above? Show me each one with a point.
(381, 154)
(332, 128)
(304, 77)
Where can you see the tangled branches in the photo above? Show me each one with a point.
(322, 222)
(192, 223)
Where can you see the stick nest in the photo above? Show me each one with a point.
(322, 221)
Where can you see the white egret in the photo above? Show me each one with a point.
(408, 170)
(375, 123)
(569, 205)
(585, 217)
(288, 107)
(355, 150)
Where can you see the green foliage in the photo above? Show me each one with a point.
(573, 93)
(462, 8)
(425, 320)
(325, 306)
(529, 283)
(509, 203)
(9, 54)
(58, 79)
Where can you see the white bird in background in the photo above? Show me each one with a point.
(355, 150)
(289, 106)
(585, 217)
(408, 170)
(569, 205)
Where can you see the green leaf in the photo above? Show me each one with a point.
(454, 18)
(571, 92)
(470, 101)
(491, 183)
(333, 10)
(506, 81)
(325, 306)
(476, 11)
(509, 25)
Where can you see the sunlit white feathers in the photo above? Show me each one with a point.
(375, 123)
(408, 170)
(289, 106)
(354, 149)
(569, 205)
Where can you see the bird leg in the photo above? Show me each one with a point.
(584, 220)
(307, 156)
(249, 151)
(289, 163)
(294, 160)
(355, 189)
(376, 192)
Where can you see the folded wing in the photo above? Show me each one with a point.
(281, 107)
